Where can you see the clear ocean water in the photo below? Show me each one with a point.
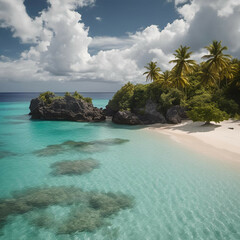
(178, 193)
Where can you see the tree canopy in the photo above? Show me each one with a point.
(210, 90)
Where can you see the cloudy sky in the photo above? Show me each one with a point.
(98, 45)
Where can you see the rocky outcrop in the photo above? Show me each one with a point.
(126, 117)
(175, 114)
(151, 115)
(109, 112)
(146, 115)
(65, 108)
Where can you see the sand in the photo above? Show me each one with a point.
(221, 141)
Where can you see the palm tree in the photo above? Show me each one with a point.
(165, 78)
(229, 72)
(217, 60)
(183, 67)
(208, 78)
(235, 81)
(153, 72)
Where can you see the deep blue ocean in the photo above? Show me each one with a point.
(177, 194)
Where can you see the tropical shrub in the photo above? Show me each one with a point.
(47, 97)
(154, 91)
(88, 99)
(78, 96)
(67, 94)
(227, 105)
(201, 98)
(171, 98)
(122, 98)
(207, 113)
(140, 96)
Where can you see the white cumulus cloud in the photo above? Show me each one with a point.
(61, 49)
(13, 15)
(99, 19)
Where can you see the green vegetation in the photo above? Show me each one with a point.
(48, 97)
(207, 113)
(218, 63)
(210, 90)
(153, 72)
(123, 98)
(79, 96)
(184, 66)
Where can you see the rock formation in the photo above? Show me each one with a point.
(150, 114)
(175, 114)
(65, 108)
(126, 117)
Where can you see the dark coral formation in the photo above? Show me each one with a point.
(108, 204)
(77, 167)
(88, 210)
(28, 200)
(4, 154)
(89, 147)
(41, 219)
(86, 220)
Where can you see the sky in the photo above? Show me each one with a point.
(99, 45)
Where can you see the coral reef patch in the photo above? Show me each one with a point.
(77, 167)
(4, 154)
(87, 210)
(88, 147)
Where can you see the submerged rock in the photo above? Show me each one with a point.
(50, 150)
(87, 210)
(77, 167)
(109, 203)
(4, 154)
(41, 219)
(86, 220)
(89, 147)
(32, 198)
(65, 108)
(175, 114)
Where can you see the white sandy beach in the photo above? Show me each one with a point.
(222, 141)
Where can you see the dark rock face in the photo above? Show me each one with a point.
(108, 111)
(151, 115)
(175, 114)
(67, 108)
(126, 117)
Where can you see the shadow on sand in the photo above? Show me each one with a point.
(195, 127)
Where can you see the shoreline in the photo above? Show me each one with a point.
(220, 141)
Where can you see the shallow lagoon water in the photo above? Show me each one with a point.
(178, 194)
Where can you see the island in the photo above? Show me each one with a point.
(74, 107)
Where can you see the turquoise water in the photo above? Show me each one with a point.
(178, 193)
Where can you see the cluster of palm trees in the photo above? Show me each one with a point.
(217, 68)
